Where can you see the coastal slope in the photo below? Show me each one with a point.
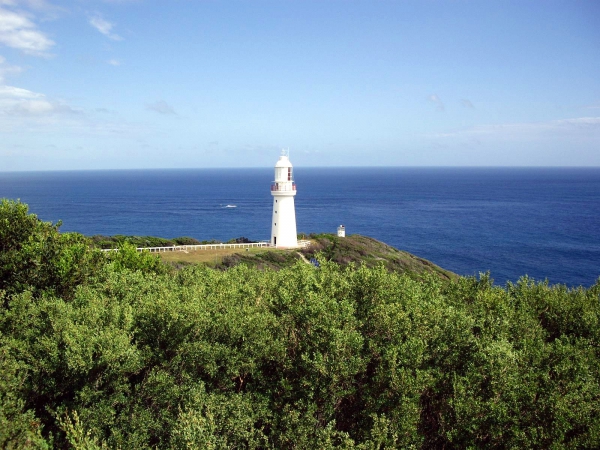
(354, 249)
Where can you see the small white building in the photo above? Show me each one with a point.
(341, 231)
(283, 190)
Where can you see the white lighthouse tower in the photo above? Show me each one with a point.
(283, 190)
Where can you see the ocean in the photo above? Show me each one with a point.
(540, 222)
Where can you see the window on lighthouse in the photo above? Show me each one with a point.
(289, 174)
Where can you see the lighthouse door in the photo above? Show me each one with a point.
(275, 241)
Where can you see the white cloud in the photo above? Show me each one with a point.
(433, 98)
(23, 111)
(34, 4)
(569, 123)
(580, 126)
(18, 31)
(105, 27)
(466, 103)
(7, 69)
(16, 101)
(17, 93)
(114, 62)
(161, 107)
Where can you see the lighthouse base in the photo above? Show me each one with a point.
(283, 225)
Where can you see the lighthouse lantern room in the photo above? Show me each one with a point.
(283, 190)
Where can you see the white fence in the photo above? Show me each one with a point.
(187, 248)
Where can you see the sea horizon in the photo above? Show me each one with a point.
(585, 167)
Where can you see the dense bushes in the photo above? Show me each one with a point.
(125, 352)
(119, 240)
(142, 241)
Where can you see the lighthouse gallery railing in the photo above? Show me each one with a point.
(279, 188)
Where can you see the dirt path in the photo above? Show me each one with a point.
(303, 258)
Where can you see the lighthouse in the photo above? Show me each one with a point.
(283, 190)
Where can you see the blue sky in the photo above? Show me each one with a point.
(120, 84)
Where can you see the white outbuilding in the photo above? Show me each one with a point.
(283, 190)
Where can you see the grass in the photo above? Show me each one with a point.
(212, 257)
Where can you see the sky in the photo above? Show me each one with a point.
(118, 84)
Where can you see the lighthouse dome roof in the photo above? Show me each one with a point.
(283, 162)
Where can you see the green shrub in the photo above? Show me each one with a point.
(118, 350)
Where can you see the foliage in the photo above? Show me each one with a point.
(127, 353)
(269, 259)
(35, 257)
(141, 241)
(240, 240)
(128, 258)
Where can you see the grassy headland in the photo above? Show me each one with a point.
(354, 249)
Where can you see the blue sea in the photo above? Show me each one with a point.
(543, 222)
